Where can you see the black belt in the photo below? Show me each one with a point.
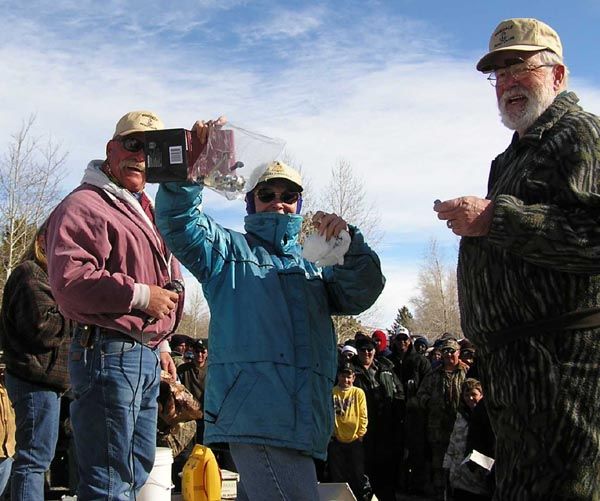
(587, 318)
(87, 332)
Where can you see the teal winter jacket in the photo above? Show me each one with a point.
(272, 360)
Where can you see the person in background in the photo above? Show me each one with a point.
(411, 369)
(420, 344)
(35, 337)
(347, 354)
(467, 482)
(385, 403)
(7, 431)
(529, 272)
(381, 344)
(179, 344)
(346, 457)
(112, 274)
(272, 344)
(193, 376)
(439, 397)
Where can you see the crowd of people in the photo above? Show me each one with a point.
(403, 409)
(93, 303)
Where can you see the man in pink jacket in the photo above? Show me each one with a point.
(111, 273)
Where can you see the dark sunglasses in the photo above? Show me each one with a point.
(366, 349)
(448, 351)
(132, 144)
(287, 197)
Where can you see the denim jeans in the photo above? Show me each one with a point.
(114, 414)
(37, 411)
(5, 469)
(274, 473)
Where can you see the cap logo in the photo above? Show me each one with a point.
(503, 37)
(150, 122)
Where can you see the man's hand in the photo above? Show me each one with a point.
(167, 364)
(162, 302)
(466, 216)
(329, 225)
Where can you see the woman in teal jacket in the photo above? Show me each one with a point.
(273, 347)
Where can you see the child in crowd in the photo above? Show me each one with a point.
(345, 455)
(468, 482)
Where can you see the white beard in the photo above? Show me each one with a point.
(538, 99)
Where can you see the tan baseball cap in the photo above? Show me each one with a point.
(279, 170)
(138, 121)
(524, 34)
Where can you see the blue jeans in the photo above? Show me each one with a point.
(5, 469)
(274, 473)
(114, 414)
(37, 411)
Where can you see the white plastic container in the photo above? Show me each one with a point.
(158, 486)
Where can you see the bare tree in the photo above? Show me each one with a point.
(196, 316)
(436, 305)
(31, 171)
(345, 196)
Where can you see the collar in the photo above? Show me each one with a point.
(278, 231)
(562, 104)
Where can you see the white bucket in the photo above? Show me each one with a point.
(158, 486)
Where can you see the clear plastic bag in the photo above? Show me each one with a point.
(228, 150)
(228, 163)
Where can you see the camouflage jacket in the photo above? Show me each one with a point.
(541, 258)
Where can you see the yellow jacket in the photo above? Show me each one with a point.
(350, 407)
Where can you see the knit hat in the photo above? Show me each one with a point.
(349, 349)
(380, 340)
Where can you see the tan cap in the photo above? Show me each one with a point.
(524, 34)
(138, 121)
(279, 170)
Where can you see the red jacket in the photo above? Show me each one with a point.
(100, 243)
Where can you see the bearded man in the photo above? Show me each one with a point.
(529, 273)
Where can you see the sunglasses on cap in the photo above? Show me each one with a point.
(265, 195)
(132, 144)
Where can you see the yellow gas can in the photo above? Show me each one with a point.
(201, 476)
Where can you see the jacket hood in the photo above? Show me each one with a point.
(96, 177)
(278, 231)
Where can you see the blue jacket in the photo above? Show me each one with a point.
(272, 361)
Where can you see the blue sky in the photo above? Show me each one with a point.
(390, 87)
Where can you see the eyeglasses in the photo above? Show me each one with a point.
(366, 349)
(516, 71)
(287, 197)
(448, 351)
(132, 144)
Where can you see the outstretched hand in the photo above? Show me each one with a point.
(466, 216)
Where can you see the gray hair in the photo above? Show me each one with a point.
(549, 57)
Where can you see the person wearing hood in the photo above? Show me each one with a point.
(381, 344)
(273, 347)
(110, 272)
